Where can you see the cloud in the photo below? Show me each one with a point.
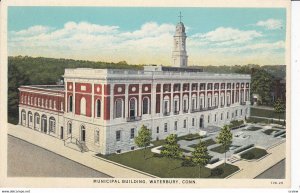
(227, 36)
(151, 43)
(34, 30)
(270, 24)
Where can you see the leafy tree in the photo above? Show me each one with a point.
(279, 107)
(143, 139)
(200, 156)
(262, 84)
(171, 149)
(225, 138)
(15, 79)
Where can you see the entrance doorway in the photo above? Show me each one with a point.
(201, 122)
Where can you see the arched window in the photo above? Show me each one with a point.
(36, 120)
(30, 119)
(70, 103)
(118, 108)
(176, 104)
(166, 104)
(98, 108)
(23, 117)
(146, 105)
(83, 106)
(52, 124)
(132, 107)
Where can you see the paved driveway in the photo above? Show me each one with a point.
(28, 160)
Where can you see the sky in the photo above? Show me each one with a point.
(141, 35)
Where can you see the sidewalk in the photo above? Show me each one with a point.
(251, 169)
(57, 146)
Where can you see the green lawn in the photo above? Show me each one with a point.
(266, 113)
(269, 131)
(160, 166)
(207, 143)
(266, 121)
(254, 153)
(220, 149)
(254, 128)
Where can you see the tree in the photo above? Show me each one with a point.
(200, 156)
(171, 149)
(225, 138)
(279, 107)
(262, 83)
(143, 139)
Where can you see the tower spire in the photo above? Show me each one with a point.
(180, 16)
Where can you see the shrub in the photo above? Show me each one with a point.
(217, 172)
(187, 162)
(158, 155)
(279, 133)
(243, 148)
(248, 155)
(215, 160)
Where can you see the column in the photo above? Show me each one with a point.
(73, 101)
(153, 99)
(181, 99)
(206, 97)
(93, 101)
(126, 100)
(111, 97)
(219, 98)
(172, 101)
(161, 99)
(225, 95)
(140, 101)
(190, 97)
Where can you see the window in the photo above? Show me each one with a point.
(118, 108)
(98, 108)
(97, 135)
(166, 127)
(215, 117)
(221, 116)
(184, 123)
(193, 122)
(82, 106)
(176, 105)
(175, 125)
(166, 104)
(236, 112)
(69, 128)
(132, 107)
(157, 129)
(145, 105)
(52, 124)
(71, 103)
(30, 116)
(208, 118)
(132, 133)
(193, 103)
(227, 115)
(118, 135)
(241, 112)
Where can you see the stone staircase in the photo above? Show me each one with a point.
(75, 144)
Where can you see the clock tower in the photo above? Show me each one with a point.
(179, 55)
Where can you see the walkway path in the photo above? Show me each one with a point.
(57, 146)
(251, 169)
(263, 107)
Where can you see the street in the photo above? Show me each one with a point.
(28, 160)
(275, 172)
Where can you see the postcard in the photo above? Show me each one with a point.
(177, 94)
